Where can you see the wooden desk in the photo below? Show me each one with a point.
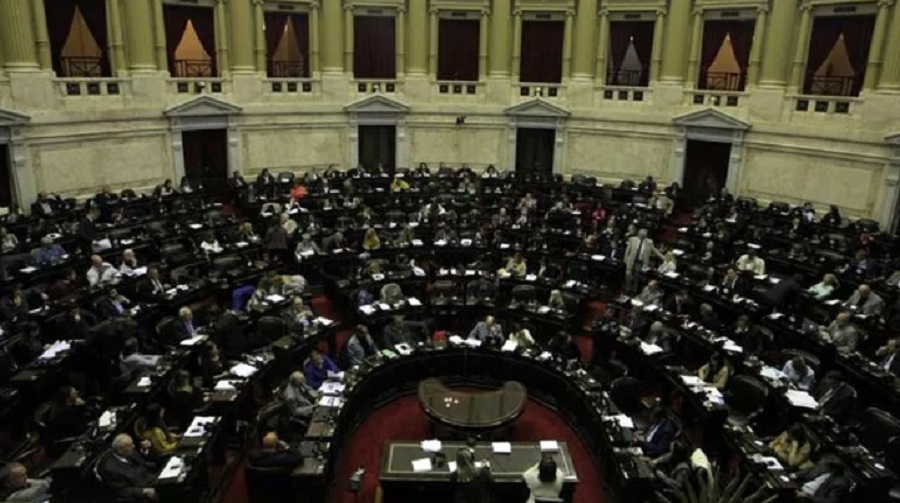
(471, 412)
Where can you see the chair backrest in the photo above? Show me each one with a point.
(877, 426)
(790, 353)
(746, 394)
(271, 328)
(268, 485)
(625, 393)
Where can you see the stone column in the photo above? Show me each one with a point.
(348, 39)
(400, 42)
(674, 56)
(659, 26)
(331, 37)
(483, 45)
(259, 35)
(890, 73)
(16, 35)
(41, 37)
(241, 17)
(2, 58)
(876, 50)
(693, 68)
(517, 44)
(800, 49)
(315, 64)
(139, 35)
(568, 35)
(602, 48)
(759, 34)
(498, 57)
(778, 40)
(117, 49)
(417, 62)
(433, 33)
(585, 39)
(221, 20)
(159, 34)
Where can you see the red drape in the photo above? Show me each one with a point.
(374, 47)
(714, 33)
(858, 38)
(205, 26)
(458, 44)
(275, 22)
(542, 44)
(620, 34)
(94, 14)
(301, 34)
(59, 15)
(176, 20)
(825, 33)
(642, 33)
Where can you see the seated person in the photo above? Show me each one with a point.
(782, 296)
(544, 480)
(563, 345)
(210, 245)
(129, 262)
(835, 397)
(49, 252)
(841, 333)
(799, 373)
(471, 482)
(64, 286)
(298, 316)
(826, 482)
(212, 367)
(78, 323)
(521, 336)
(395, 333)
(399, 185)
(717, 371)
(887, 357)
(708, 318)
(275, 453)
(127, 471)
(651, 294)
(153, 285)
(488, 332)
(680, 304)
(371, 241)
(113, 305)
(792, 447)
(131, 362)
(68, 415)
(659, 336)
(668, 265)
(751, 263)
(317, 368)
(360, 346)
(15, 308)
(674, 468)
(823, 289)
(556, 301)
(162, 441)
(516, 266)
(751, 339)
(306, 247)
(101, 273)
(185, 323)
(185, 399)
(864, 301)
(731, 283)
(657, 438)
(364, 295)
(15, 486)
(299, 399)
(445, 234)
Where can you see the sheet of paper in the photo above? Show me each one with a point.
(225, 385)
(504, 246)
(509, 345)
(193, 340)
(832, 302)
(243, 370)
(623, 420)
(198, 426)
(501, 447)
(338, 376)
(370, 309)
(414, 302)
(325, 322)
(801, 399)
(474, 343)
(650, 349)
(771, 373)
(144, 382)
(106, 419)
(465, 242)
(451, 466)
(332, 388)
(403, 348)
(421, 465)
(709, 288)
(331, 401)
(671, 274)
(549, 446)
(55, 349)
(677, 252)
(275, 298)
(431, 445)
(383, 306)
(691, 380)
(531, 277)
(140, 271)
(455, 339)
(172, 469)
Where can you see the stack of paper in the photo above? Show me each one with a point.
(414, 302)
(671, 274)
(431, 445)
(193, 340)
(172, 469)
(226, 385)
(106, 419)
(421, 465)
(198, 426)
(243, 370)
(337, 376)
(325, 322)
(403, 348)
(549, 446)
(732, 347)
(368, 310)
(598, 258)
(473, 343)
(650, 349)
(332, 388)
(416, 242)
(501, 447)
(692, 380)
(383, 306)
(274, 298)
(771, 373)
(509, 346)
(623, 420)
(530, 277)
(455, 339)
(801, 399)
(331, 401)
(144, 382)
(55, 349)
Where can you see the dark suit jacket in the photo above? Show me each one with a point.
(686, 308)
(659, 444)
(782, 294)
(279, 458)
(87, 232)
(837, 404)
(477, 490)
(833, 490)
(127, 476)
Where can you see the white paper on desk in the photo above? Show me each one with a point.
(377, 277)
(691, 380)
(714, 395)
(421, 465)
(455, 339)
(331, 401)
(144, 382)
(682, 229)
(624, 421)
(732, 347)
(418, 271)
(598, 258)
(414, 302)
(172, 469)
(509, 346)
(369, 309)
(183, 288)
(451, 465)
(106, 419)
(55, 349)
(549, 446)
(473, 343)
(403, 348)
(336, 375)
(832, 302)
(543, 309)
(274, 298)
(225, 385)
(754, 246)
(650, 349)
(243, 370)
(677, 252)
(776, 316)
(671, 274)
(465, 242)
(501, 447)
(774, 281)
(636, 303)
(801, 399)
(651, 307)
(325, 322)
(504, 246)
(383, 306)
(771, 463)
(197, 427)
(416, 242)
(770, 372)
(431, 445)
(709, 288)
(171, 291)
(760, 277)
(440, 242)
(28, 269)
(571, 283)
(530, 277)
(193, 340)
(332, 388)
(196, 226)
(242, 244)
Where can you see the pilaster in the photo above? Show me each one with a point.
(16, 36)
(483, 45)
(779, 40)
(259, 35)
(116, 44)
(419, 32)
(876, 49)
(568, 35)
(498, 56)
(517, 44)
(674, 56)
(433, 37)
(241, 17)
(348, 38)
(139, 37)
(659, 27)
(221, 21)
(331, 36)
(756, 49)
(400, 42)
(585, 39)
(693, 67)
(890, 72)
(315, 51)
(159, 36)
(602, 47)
(41, 37)
(800, 49)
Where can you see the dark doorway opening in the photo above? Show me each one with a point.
(705, 171)
(206, 159)
(534, 150)
(5, 178)
(378, 145)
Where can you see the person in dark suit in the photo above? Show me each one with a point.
(211, 365)
(472, 484)
(708, 318)
(275, 453)
(680, 304)
(732, 283)
(660, 336)
(827, 482)
(659, 434)
(230, 335)
(65, 286)
(153, 286)
(87, 231)
(835, 397)
(16, 486)
(113, 304)
(749, 337)
(889, 357)
(67, 416)
(45, 207)
(782, 295)
(563, 346)
(127, 471)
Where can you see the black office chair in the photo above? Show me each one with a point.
(876, 425)
(625, 392)
(523, 295)
(892, 461)
(443, 292)
(270, 328)
(54, 446)
(746, 398)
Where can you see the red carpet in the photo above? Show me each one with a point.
(402, 419)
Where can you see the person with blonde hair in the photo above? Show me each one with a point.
(371, 241)
(472, 482)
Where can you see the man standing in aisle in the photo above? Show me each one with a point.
(637, 257)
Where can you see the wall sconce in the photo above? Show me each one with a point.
(715, 101)
(376, 88)
(539, 91)
(461, 120)
(199, 87)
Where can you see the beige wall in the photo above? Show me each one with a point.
(457, 145)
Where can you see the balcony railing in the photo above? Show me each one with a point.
(831, 86)
(88, 86)
(722, 81)
(193, 69)
(287, 70)
(81, 66)
(539, 90)
(826, 105)
(716, 98)
(457, 88)
(292, 86)
(377, 86)
(197, 85)
(622, 93)
(626, 78)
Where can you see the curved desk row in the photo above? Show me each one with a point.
(472, 412)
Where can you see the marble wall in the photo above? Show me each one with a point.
(292, 149)
(473, 145)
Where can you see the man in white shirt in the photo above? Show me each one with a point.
(101, 273)
(750, 262)
(544, 480)
(637, 257)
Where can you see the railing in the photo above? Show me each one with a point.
(715, 98)
(193, 68)
(287, 70)
(377, 86)
(81, 66)
(197, 86)
(831, 86)
(619, 93)
(826, 105)
(292, 86)
(539, 90)
(457, 88)
(89, 86)
(626, 78)
(722, 81)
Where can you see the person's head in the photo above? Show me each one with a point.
(371, 235)
(795, 222)
(564, 336)
(831, 378)
(46, 242)
(843, 318)
(893, 346)
(168, 183)
(743, 321)
(96, 261)
(128, 255)
(185, 313)
(68, 395)
(797, 432)
(658, 414)
(657, 328)
(284, 217)
(14, 476)
(547, 469)
(211, 351)
(681, 295)
(489, 321)
(716, 360)
(183, 379)
(681, 452)
(751, 253)
(518, 258)
(833, 209)
(706, 309)
(670, 256)
(270, 440)
(113, 293)
(555, 295)
(653, 285)
(830, 279)
(154, 415)
(297, 379)
(642, 233)
(864, 290)
(465, 464)
(122, 444)
(153, 272)
(298, 304)
(316, 358)
(799, 364)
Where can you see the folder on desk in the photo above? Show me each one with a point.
(421, 465)
(55, 349)
(549, 446)
(332, 388)
(173, 468)
(650, 349)
(801, 399)
(368, 310)
(431, 445)
(414, 302)
(225, 385)
(243, 370)
(509, 346)
(501, 447)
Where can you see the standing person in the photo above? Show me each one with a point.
(637, 257)
(544, 480)
(472, 484)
